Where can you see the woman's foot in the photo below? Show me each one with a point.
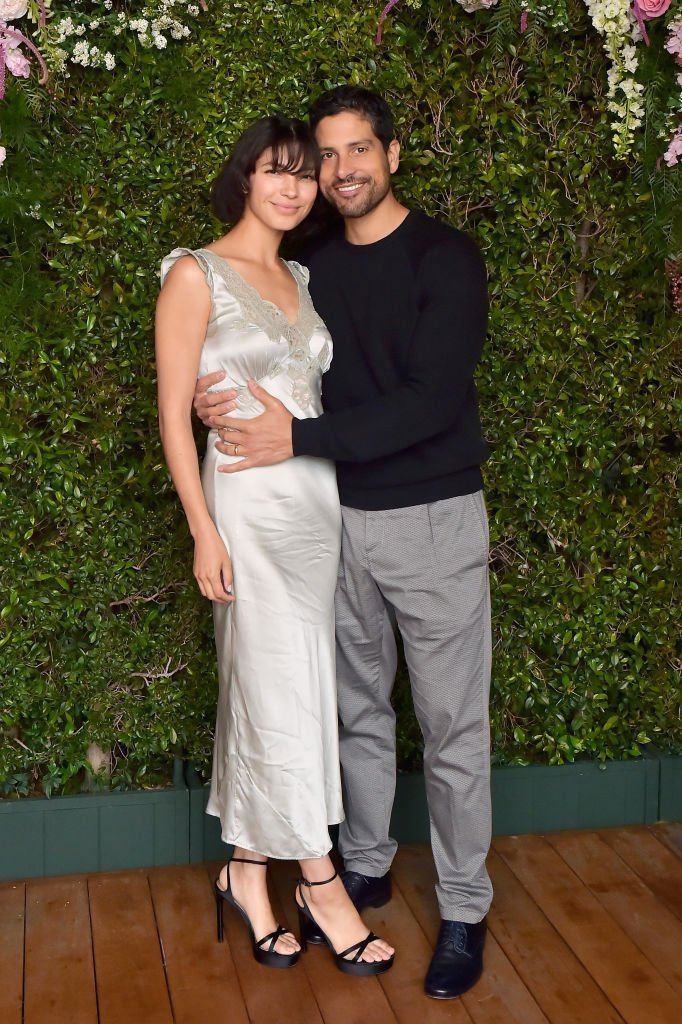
(249, 888)
(336, 916)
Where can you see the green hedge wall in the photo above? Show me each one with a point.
(104, 636)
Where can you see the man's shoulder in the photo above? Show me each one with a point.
(437, 250)
(431, 233)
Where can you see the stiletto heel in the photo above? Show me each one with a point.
(263, 954)
(219, 914)
(345, 963)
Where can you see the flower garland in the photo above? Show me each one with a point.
(673, 45)
(616, 21)
(90, 41)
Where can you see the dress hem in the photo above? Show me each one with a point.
(256, 848)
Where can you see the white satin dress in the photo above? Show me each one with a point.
(275, 783)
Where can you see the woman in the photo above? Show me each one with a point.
(266, 546)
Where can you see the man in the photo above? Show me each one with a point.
(405, 299)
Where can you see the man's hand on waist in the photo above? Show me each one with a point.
(261, 441)
(211, 407)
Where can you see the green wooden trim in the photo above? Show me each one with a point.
(670, 806)
(537, 798)
(107, 831)
(93, 832)
(204, 830)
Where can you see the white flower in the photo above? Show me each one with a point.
(94, 25)
(11, 9)
(107, 5)
(109, 61)
(3, 155)
(473, 5)
(81, 53)
(65, 28)
(194, 10)
(160, 42)
(80, 30)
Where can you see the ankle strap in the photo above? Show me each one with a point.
(245, 860)
(304, 881)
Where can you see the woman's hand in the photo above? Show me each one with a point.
(212, 567)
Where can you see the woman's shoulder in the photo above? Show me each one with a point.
(190, 264)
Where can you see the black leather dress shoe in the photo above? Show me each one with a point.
(364, 892)
(457, 960)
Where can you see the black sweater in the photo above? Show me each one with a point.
(407, 315)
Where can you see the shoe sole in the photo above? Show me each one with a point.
(461, 992)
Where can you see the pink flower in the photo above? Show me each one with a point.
(651, 8)
(673, 153)
(3, 155)
(15, 61)
(673, 43)
(11, 9)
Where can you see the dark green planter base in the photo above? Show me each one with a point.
(93, 832)
(532, 799)
(107, 831)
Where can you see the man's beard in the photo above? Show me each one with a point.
(370, 198)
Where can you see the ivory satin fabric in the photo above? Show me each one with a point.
(276, 782)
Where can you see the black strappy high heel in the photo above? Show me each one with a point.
(268, 956)
(346, 963)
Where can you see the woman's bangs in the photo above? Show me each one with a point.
(293, 155)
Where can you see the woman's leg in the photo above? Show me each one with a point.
(249, 887)
(333, 911)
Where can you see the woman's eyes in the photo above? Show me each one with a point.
(308, 176)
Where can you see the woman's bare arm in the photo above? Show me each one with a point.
(182, 314)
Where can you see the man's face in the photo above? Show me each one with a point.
(355, 175)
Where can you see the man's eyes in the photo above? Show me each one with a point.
(327, 155)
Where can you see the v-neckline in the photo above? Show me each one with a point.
(254, 290)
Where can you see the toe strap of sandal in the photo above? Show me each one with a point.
(359, 948)
(279, 931)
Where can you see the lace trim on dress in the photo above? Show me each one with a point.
(262, 313)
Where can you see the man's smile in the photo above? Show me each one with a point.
(350, 188)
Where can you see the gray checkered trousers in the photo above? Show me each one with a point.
(424, 568)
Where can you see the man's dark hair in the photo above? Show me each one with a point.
(293, 148)
(364, 102)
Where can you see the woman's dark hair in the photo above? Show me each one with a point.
(364, 102)
(293, 148)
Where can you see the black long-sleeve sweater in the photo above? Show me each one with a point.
(407, 315)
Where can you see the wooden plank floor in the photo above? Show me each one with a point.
(586, 928)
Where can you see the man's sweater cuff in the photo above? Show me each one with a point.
(306, 437)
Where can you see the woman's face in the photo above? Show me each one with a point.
(280, 199)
